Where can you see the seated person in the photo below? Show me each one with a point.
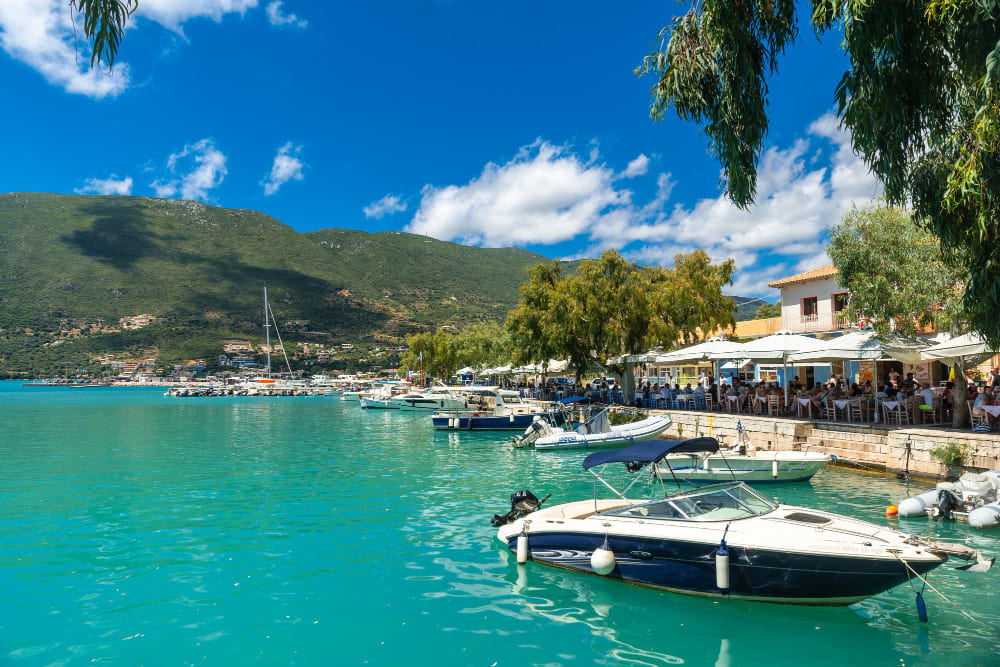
(926, 393)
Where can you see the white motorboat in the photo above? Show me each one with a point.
(380, 398)
(441, 398)
(719, 540)
(744, 462)
(596, 433)
(974, 497)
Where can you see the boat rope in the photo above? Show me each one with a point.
(945, 597)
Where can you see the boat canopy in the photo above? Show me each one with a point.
(572, 399)
(650, 451)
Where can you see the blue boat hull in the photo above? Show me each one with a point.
(474, 422)
(684, 567)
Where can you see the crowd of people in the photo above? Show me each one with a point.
(913, 397)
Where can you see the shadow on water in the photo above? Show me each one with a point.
(119, 236)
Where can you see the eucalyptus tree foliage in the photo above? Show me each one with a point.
(921, 99)
(103, 25)
(894, 269)
(432, 351)
(898, 277)
(612, 307)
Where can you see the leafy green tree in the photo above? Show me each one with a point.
(612, 307)
(921, 99)
(104, 25)
(482, 344)
(898, 277)
(767, 310)
(437, 350)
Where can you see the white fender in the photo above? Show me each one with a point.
(918, 505)
(722, 568)
(603, 559)
(987, 516)
(522, 548)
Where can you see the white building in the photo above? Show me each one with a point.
(813, 302)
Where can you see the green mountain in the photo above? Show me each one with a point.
(71, 267)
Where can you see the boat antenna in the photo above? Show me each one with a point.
(267, 332)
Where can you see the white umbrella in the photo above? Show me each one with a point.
(867, 346)
(700, 352)
(969, 345)
(864, 345)
(468, 370)
(776, 348)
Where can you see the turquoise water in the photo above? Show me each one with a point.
(141, 529)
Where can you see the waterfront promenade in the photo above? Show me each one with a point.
(877, 446)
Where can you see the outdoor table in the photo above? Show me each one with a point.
(761, 399)
(684, 398)
(806, 402)
(733, 399)
(842, 405)
(992, 410)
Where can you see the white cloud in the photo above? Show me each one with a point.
(39, 33)
(195, 170)
(636, 167)
(106, 186)
(287, 166)
(387, 205)
(545, 194)
(42, 35)
(174, 13)
(277, 18)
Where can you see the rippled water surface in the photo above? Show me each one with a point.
(141, 529)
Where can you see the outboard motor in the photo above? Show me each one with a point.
(946, 504)
(522, 503)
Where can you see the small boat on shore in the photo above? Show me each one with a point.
(596, 433)
(722, 540)
(974, 497)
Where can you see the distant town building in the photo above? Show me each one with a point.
(136, 321)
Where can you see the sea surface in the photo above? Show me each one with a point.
(141, 529)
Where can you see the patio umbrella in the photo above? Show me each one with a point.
(776, 348)
(865, 346)
(962, 347)
(700, 352)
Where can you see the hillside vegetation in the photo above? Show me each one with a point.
(71, 266)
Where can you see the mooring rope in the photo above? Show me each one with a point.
(946, 598)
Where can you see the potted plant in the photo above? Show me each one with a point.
(953, 456)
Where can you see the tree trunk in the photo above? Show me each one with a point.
(960, 413)
(628, 383)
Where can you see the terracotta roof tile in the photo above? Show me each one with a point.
(816, 274)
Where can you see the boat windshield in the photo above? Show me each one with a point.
(724, 502)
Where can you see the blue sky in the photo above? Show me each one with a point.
(484, 123)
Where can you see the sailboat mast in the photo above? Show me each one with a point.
(267, 332)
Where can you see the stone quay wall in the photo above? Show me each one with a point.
(864, 445)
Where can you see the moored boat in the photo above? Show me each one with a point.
(596, 433)
(719, 540)
(744, 462)
(492, 409)
(974, 497)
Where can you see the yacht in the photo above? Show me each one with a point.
(721, 540)
(439, 398)
(491, 408)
